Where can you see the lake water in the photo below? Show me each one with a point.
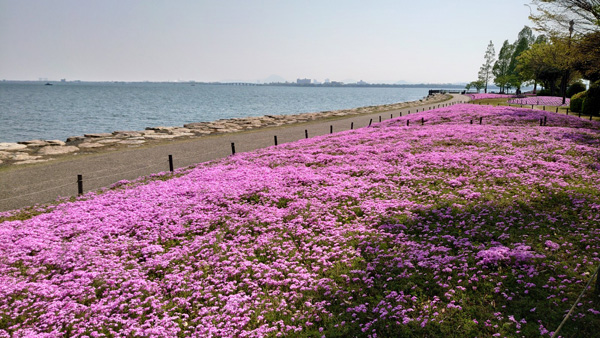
(35, 111)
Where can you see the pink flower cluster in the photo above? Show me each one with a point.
(541, 101)
(381, 230)
(483, 96)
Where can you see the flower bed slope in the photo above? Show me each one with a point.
(394, 230)
(484, 96)
(541, 101)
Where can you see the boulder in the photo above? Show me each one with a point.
(11, 146)
(126, 133)
(131, 142)
(75, 139)
(160, 136)
(57, 150)
(161, 129)
(97, 135)
(178, 134)
(56, 142)
(202, 132)
(34, 143)
(109, 140)
(24, 157)
(87, 145)
(195, 125)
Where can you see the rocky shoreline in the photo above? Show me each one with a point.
(39, 151)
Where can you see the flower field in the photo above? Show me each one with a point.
(445, 228)
(541, 101)
(485, 96)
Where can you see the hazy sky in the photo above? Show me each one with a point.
(435, 41)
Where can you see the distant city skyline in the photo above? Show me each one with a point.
(245, 41)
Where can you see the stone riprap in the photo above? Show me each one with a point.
(38, 151)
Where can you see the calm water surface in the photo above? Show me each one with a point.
(35, 111)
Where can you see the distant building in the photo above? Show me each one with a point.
(326, 81)
(63, 80)
(303, 81)
(361, 82)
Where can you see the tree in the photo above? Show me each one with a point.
(475, 84)
(586, 53)
(485, 72)
(582, 17)
(524, 40)
(501, 69)
(539, 64)
(554, 16)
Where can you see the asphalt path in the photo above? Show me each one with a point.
(45, 182)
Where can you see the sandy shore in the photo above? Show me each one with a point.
(103, 159)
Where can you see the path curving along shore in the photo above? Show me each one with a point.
(40, 171)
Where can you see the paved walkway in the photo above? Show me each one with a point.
(43, 183)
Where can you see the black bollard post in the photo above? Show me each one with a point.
(480, 119)
(400, 114)
(80, 184)
(590, 117)
(351, 125)
(379, 118)
(597, 286)
(232, 148)
(305, 133)
(171, 163)
(275, 139)
(391, 116)
(557, 110)
(331, 129)
(541, 122)
(545, 119)
(567, 111)
(370, 121)
(407, 123)
(531, 106)
(471, 121)
(422, 120)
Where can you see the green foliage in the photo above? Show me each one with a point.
(475, 84)
(575, 88)
(544, 92)
(591, 105)
(587, 56)
(577, 101)
(501, 69)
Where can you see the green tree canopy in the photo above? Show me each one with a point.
(501, 69)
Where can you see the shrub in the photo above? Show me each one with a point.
(591, 105)
(575, 88)
(577, 101)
